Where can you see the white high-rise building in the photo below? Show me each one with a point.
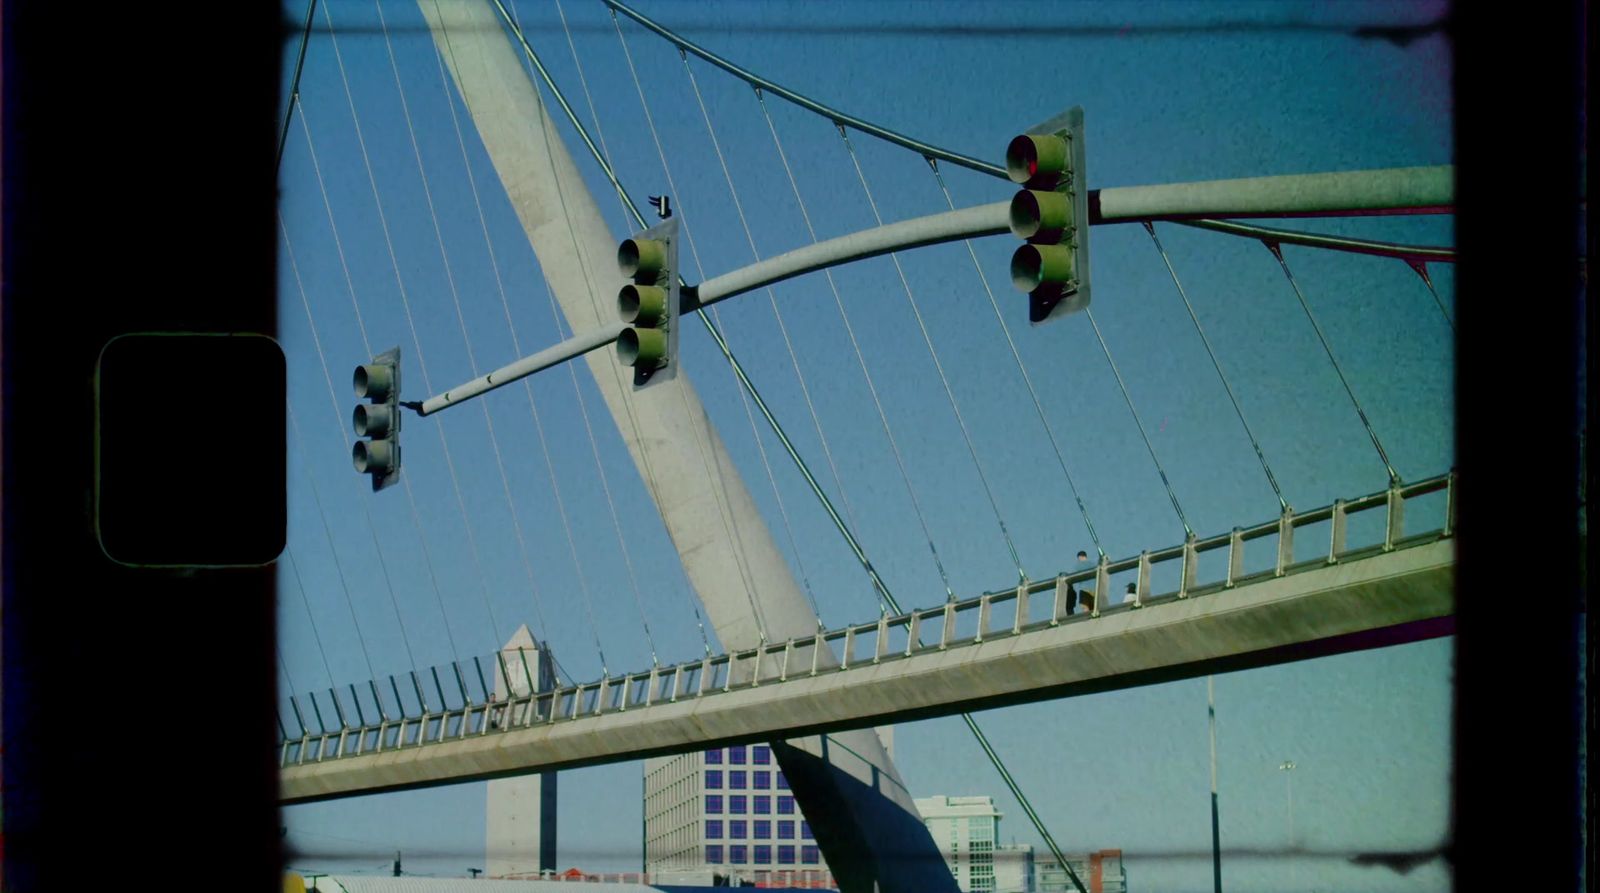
(966, 829)
(727, 811)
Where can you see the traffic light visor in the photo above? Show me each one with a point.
(641, 347)
(374, 457)
(374, 381)
(1032, 155)
(641, 258)
(1043, 215)
(644, 305)
(1036, 265)
(373, 420)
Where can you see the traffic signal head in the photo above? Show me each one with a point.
(649, 303)
(1052, 214)
(378, 382)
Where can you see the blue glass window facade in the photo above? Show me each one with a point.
(714, 757)
(736, 779)
(809, 855)
(713, 854)
(736, 804)
(761, 755)
(761, 780)
(736, 755)
(714, 804)
(713, 779)
(785, 804)
(786, 830)
(714, 829)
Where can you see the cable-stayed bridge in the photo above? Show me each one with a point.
(378, 731)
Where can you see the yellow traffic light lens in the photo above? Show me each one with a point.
(373, 421)
(644, 305)
(1034, 155)
(1041, 215)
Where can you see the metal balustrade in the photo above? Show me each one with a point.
(371, 727)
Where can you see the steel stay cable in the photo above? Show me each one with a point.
(294, 567)
(1187, 531)
(872, 389)
(723, 510)
(716, 335)
(366, 506)
(711, 327)
(938, 367)
(1017, 356)
(1421, 267)
(783, 329)
(1277, 252)
(583, 402)
(528, 389)
(421, 359)
(1283, 504)
(513, 23)
(472, 360)
(338, 565)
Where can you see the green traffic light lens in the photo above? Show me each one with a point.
(642, 347)
(1036, 265)
(373, 456)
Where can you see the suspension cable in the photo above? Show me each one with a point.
(1187, 531)
(366, 506)
(344, 586)
(1421, 267)
(861, 362)
(294, 567)
(410, 323)
(622, 204)
(1277, 252)
(455, 298)
(772, 300)
(1005, 329)
(688, 237)
(934, 355)
(706, 320)
(294, 84)
(1283, 505)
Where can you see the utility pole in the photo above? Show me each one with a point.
(396, 863)
(1216, 833)
(1287, 767)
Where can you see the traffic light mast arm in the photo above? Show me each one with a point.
(1427, 190)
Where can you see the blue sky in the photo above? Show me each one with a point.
(1171, 92)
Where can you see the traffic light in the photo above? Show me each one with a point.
(649, 303)
(1052, 214)
(379, 418)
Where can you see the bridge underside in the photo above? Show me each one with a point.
(1314, 610)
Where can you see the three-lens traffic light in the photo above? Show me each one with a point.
(378, 383)
(1052, 214)
(649, 303)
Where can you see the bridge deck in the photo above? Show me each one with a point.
(981, 653)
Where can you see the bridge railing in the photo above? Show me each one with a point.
(363, 720)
